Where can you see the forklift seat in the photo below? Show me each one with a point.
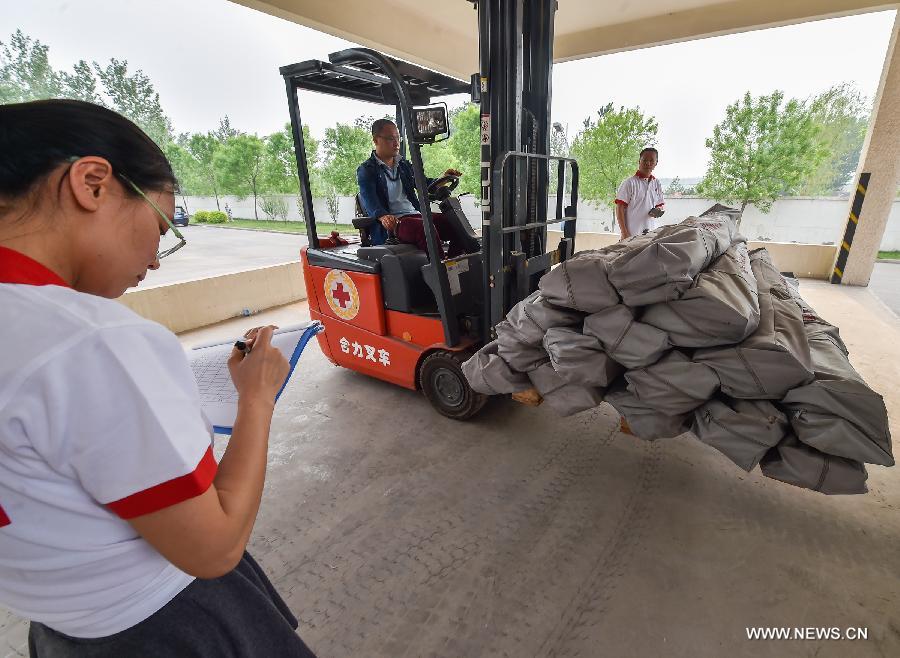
(361, 223)
(402, 284)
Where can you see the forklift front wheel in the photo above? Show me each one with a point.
(444, 384)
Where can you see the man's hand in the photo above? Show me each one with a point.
(452, 172)
(388, 221)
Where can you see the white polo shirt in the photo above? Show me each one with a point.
(639, 195)
(99, 422)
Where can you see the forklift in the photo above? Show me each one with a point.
(404, 315)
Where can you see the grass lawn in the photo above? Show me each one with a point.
(323, 228)
(893, 255)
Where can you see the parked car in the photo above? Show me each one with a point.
(181, 218)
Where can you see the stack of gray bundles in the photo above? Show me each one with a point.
(682, 329)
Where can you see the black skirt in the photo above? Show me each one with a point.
(239, 615)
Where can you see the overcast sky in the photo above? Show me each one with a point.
(209, 58)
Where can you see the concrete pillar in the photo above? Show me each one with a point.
(880, 158)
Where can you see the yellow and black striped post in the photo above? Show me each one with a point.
(850, 231)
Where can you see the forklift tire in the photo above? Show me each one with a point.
(442, 381)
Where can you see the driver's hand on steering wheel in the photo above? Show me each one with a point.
(452, 172)
(388, 221)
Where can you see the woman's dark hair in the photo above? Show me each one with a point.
(37, 137)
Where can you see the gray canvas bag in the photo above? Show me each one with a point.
(631, 343)
(564, 398)
(742, 430)
(534, 315)
(720, 308)
(582, 282)
(517, 354)
(796, 463)
(487, 373)
(643, 421)
(580, 359)
(773, 359)
(661, 265)
(838, 413)
(673, 385)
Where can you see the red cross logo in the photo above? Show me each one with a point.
(340, 295)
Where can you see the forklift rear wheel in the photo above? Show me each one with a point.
(444, 384)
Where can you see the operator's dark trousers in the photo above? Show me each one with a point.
(411, 230)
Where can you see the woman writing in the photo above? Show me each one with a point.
(119, 533)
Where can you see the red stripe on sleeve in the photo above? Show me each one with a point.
(4, 520)
(168, 493)
(660, 205)
(621, 203)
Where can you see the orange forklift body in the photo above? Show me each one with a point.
(360, 334)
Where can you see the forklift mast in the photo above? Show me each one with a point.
(514, 84)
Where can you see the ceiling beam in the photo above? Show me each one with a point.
(713, 20)
(438, 37)
(443, 36)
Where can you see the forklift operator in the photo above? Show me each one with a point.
(387, 191)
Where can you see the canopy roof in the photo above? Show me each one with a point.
(443, 36)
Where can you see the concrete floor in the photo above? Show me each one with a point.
(392, 531)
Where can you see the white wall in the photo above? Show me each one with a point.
(347, 206)
(807, 220)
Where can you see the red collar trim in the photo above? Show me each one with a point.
(640, 175)
(16, 267)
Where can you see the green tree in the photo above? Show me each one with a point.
(202, 150)
(675, 187)
(240, 164)
(332, 204)
(134, 96)
(81, 84)
(760, 151)
(25, 71)
(26, 75)
(607, 149)
(438, 158)
(187, 171)
(225, 131)
(280, 169)
(465, 146)
(842, 116)
(345, 147)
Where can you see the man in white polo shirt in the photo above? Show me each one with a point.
(639, 200)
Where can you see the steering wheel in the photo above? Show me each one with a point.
(441, 188)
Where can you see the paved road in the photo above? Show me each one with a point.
(211, 251)
(885, 284)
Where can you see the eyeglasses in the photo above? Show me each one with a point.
(181, 241)
(389, 138)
